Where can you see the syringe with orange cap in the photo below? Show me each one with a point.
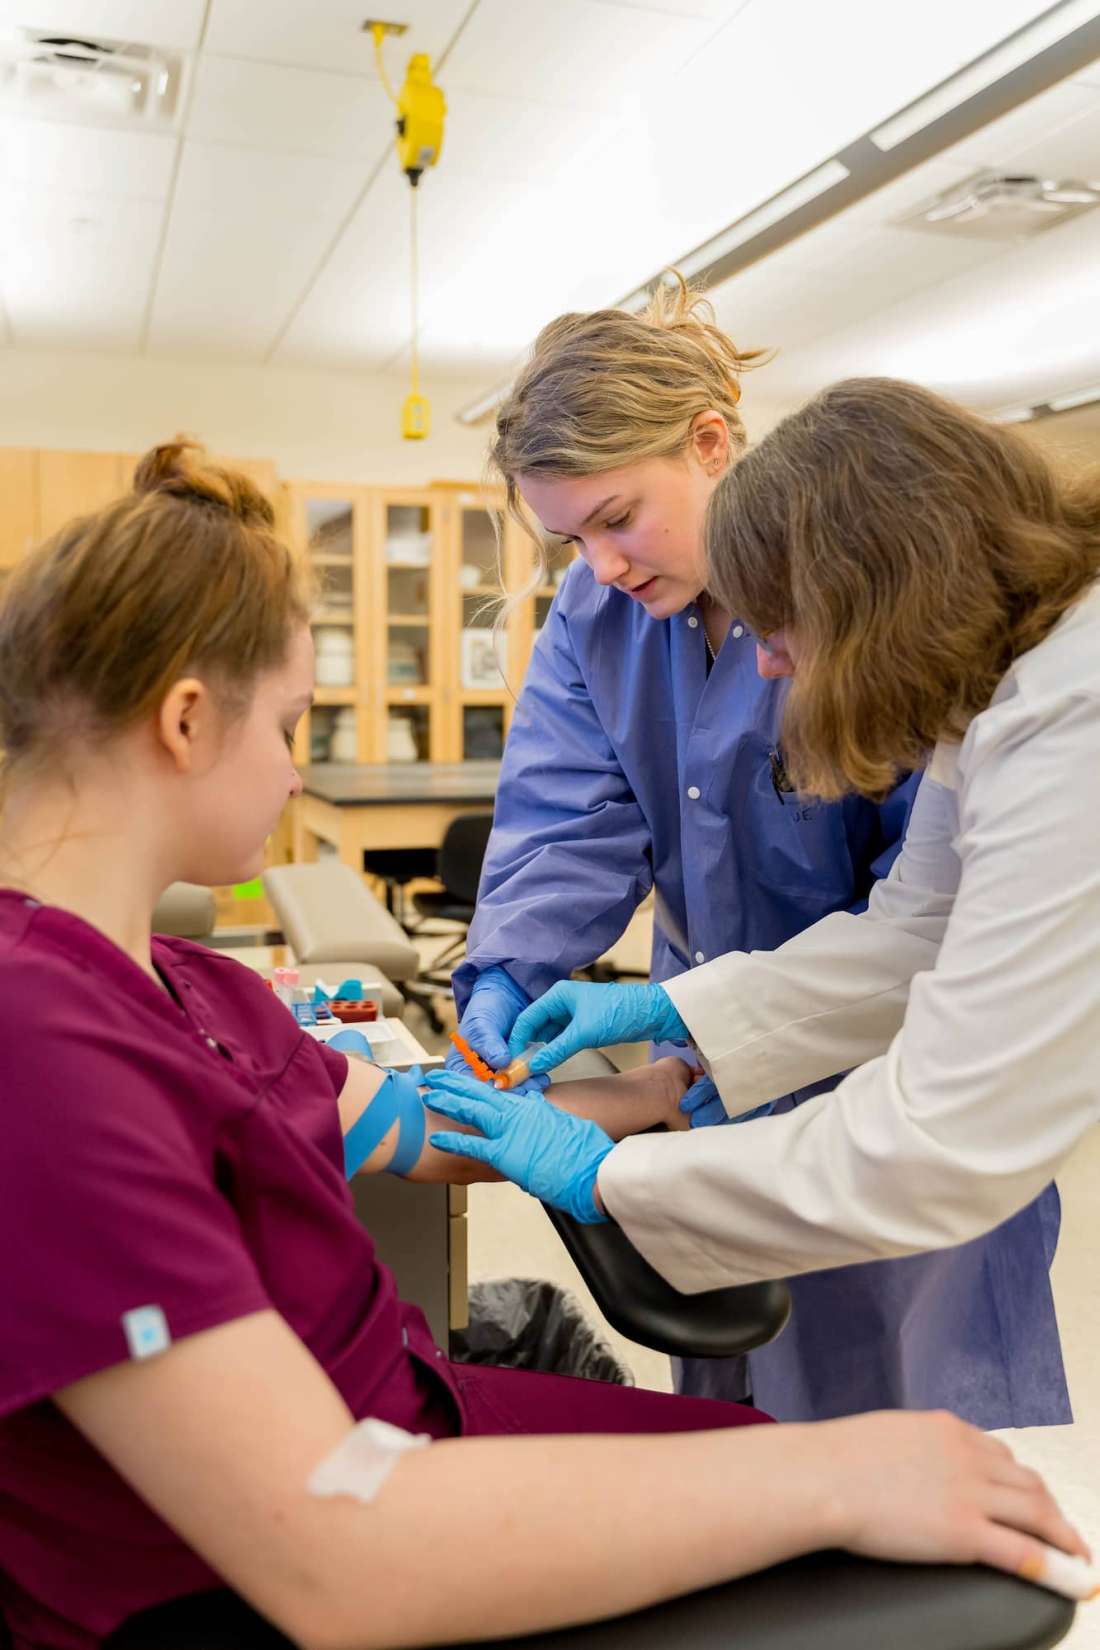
(472, 1058)
(516, 1071)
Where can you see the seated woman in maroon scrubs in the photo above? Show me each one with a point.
(193, 1318)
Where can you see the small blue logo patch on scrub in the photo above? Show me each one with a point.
(146, 1331)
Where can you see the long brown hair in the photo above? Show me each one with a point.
(914, 550)
(184, 574)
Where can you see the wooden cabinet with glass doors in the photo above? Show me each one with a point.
(412, 664)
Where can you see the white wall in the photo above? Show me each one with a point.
(317, 426)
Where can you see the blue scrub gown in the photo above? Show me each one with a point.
(628, 768)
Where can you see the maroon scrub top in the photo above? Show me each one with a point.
(185, 1157)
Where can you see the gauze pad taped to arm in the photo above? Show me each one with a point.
(363, 1460)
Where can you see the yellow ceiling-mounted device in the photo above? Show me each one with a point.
(421, 108)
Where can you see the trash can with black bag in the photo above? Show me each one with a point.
(530, 1323)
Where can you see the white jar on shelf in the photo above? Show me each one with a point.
(400, 742)
(343, 746)
(335, 663)
(414, 549)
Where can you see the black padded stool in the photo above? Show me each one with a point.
(829, 1601)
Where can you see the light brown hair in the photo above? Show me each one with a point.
(605, 389)
(184, 574)
(914, 550)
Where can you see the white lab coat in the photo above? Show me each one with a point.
(967, 995)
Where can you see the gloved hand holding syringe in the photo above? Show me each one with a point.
(516, 1072)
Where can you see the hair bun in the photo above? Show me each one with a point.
(181, 469)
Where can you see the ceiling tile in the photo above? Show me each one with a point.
(247, 231)
(570, 51)
(510, 138)
(1073, 151)
(42, 155)
(77, 270)
(218, 182)
(268, 106)
(784, 118)
(1017, 327)
(357, 312)
(714, 11)
(1039, 118)
(327, 34)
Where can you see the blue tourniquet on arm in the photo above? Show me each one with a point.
(397, 1101)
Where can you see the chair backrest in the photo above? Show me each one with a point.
(329, 916)
(462, 854)
(186, 910)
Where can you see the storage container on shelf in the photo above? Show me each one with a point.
(415, 548)
(405, 663)
(335, 656)
(343, 745)
(400, 742)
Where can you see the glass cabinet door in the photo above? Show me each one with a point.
(328, 527)
(408, 583)
(482, 644)
(559, 557)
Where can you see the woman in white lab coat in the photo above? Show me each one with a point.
(930, 584)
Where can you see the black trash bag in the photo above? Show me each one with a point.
(528, 1323)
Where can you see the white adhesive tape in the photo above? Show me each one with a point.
(1063, 1573)
(363, 1460)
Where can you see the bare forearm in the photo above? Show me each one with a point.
(622, 1103)
(628, 1102)
(538, 1538)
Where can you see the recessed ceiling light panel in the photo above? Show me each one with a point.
(996, 206)
(53, 76)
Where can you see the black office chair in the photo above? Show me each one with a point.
(827, 1601)
(458, 867)
(396, 868)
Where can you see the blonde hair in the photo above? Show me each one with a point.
(184, 573)
(914, 550)
(609, 388)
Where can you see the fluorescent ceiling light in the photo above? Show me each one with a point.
(1025, 44)
(780, 206)
(1013, 415)
(1079, 398)
(476, 410)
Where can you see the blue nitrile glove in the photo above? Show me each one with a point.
(494, 1002)
(550, 1153)
(572, 1016)
(704, 1105)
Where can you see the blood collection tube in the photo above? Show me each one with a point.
(517, 1070)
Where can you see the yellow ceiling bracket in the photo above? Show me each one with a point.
(421, 110)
